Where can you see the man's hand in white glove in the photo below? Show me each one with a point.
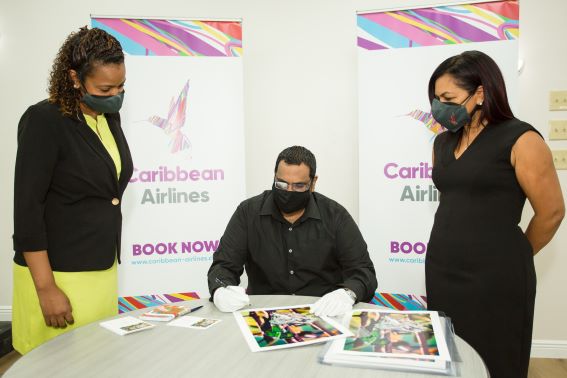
(230, 298)
(334, 303)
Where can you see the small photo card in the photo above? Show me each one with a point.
(193, 322)
(126, 325)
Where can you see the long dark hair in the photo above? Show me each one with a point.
(81, 51)
(470, 70)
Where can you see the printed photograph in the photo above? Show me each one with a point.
(205, 323)
(135, 327)
(392, 333)
(286, 327)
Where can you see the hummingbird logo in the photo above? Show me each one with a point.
(428, 121)
(453, 119)
(174, 125)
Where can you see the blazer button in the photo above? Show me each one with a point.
(115, 201)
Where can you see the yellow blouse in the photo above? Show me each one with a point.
(101, 129)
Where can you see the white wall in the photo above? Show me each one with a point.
(545, 56)
(299, 88)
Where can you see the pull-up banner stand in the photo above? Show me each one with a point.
(183, 118)
(398, 50)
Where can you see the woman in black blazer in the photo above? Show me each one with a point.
(72, 167)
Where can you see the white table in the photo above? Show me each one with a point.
(220, 351)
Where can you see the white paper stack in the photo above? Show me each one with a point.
(393, 340)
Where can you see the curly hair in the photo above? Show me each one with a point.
(82, 51)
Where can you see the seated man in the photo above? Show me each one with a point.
(292, 240)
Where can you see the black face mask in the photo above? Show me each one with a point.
(451, 116)
(289, 202)
(103, 104)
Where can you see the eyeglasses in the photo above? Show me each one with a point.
(296, 187)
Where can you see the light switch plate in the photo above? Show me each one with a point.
(558, 100)
(559, 159)
(558, 129)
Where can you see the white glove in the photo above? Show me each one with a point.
(332, 304)
(230, 298)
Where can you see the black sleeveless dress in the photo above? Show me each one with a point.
(479, 266)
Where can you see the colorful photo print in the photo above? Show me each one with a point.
(400, 334)
(285, 327)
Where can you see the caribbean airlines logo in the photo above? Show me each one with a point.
(175, 192)
(174, 125)
(427, 120)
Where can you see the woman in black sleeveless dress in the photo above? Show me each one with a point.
(479, 264)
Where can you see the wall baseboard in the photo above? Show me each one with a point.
(540, 348)
(5, 313)
(549, 349)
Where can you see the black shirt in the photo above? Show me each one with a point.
(322, 251)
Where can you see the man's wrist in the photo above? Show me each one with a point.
(350, 293)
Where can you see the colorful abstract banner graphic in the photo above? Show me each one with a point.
(446, 25)
(126, 304)
(175, 37)
(400, 302)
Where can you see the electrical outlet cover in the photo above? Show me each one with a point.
(558, 129)
(558, 100)
(559, 159)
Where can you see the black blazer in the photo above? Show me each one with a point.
(67, 197)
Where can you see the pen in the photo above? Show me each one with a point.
(195, 308)
(192, 310)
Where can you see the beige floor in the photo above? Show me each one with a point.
(547, 368)
(539, 367)
(8, 360)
